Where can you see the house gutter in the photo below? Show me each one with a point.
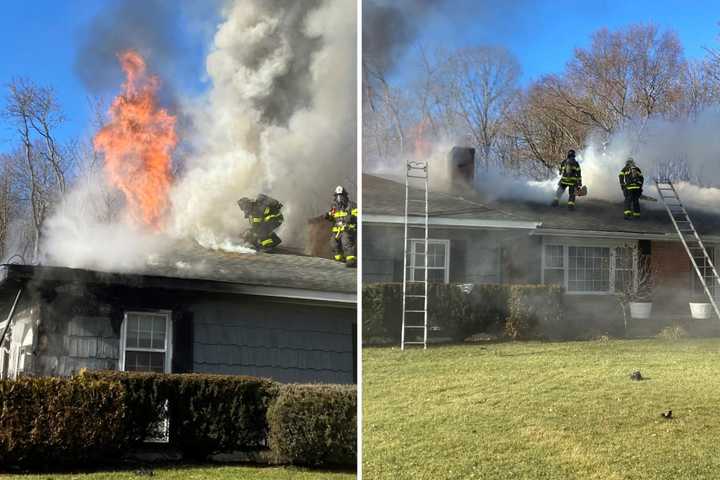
(450, 222)
(566, 232)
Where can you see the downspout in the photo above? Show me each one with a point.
(10, 316)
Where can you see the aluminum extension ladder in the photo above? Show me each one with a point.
(415, 292)
(701, 261)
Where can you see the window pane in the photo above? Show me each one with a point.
(144, 361)
(436, 275)
(588, 269)
(554, 256)
(158, 335)
(132, 332)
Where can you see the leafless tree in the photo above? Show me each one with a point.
(40, 166)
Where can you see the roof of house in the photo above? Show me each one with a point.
(191, 267)
(384, 197)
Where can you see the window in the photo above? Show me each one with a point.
(624, 268)
(145, 339)
(554, 265)
(438, 256)
(589, 269)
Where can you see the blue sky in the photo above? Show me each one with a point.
(543, 34)
(40, 40)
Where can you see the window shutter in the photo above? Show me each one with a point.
(182, 355)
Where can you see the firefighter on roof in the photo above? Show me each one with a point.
(264, 215)
(631, 183)
(343, 214)
(570, 178)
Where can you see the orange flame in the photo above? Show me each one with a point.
(138, 142)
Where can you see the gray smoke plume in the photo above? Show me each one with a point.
(279, 119)
(150, 27)
(389, 28)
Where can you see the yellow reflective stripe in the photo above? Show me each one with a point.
(632, 186)
(338, 229)
(270, 217)
(352, 257)
(267, 210)
(628, 212)
(354, 212)
(266, 242)
(256, 219)
(352, 226)
(338, 257)
(340, 213)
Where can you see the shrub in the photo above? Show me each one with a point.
(457, 313)
(207, 413)
(314, 425)
(534, 311)
(49, 423)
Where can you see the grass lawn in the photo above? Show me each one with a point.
(199, 473)
(543, 411)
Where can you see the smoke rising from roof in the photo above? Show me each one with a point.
(279, 119)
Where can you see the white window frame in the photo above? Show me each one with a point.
(167, 367)
(587, 243)
(431, 241)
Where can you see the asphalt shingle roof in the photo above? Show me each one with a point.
(386, 197)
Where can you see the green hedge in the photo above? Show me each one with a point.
(208, 413)
(314, 425)
(534, 311)
(94, 417)
(60, 422)
(516, 310)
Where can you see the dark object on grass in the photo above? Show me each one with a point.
(636, 375)
(667, 415)
(145, 471)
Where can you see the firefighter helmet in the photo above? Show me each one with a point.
(244, 203)
(339, 190)
(571, 153)
(630, 161)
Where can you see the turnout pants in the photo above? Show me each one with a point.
(632, 202)
(343, 247)
(263, 237)
(571, 192)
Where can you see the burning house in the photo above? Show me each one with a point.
(286, 317)
(143, 265)
(476, 238)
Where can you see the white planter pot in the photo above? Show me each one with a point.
(700, 310)
(640, 309)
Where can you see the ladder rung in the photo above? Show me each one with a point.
(415, 281)
(415, 326)
(414, 343)
(418, 176)
(415, 296)
(415, 311)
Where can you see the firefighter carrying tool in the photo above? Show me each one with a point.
(570, 178)
(631, 183)
(343, 214)
(264, 216)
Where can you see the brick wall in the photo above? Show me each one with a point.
(673, 273)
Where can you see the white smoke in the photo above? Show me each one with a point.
(658, 147)
(254, 137)
(279, 118)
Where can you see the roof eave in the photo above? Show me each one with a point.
(370, 218)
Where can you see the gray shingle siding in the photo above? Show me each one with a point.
(282, 341)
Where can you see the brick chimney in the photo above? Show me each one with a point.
(462, 165)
